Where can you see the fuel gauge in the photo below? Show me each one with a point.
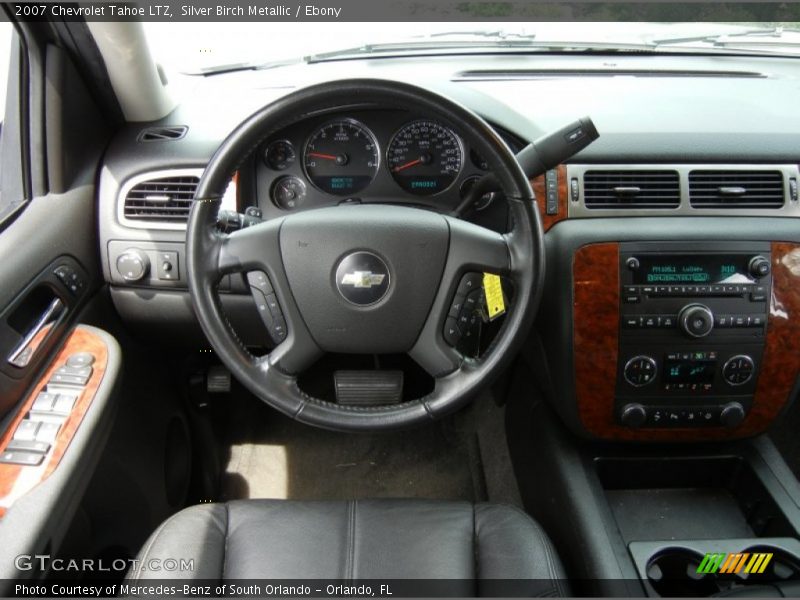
(288, 192)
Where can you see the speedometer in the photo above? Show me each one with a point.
(425, 157)
(341, 157)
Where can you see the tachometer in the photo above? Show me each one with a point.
(341, 157)
(425, 157)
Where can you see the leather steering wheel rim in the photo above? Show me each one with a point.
(518, 255)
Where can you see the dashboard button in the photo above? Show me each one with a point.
(738, 370)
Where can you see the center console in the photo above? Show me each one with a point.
(692, 328)
(692, 340)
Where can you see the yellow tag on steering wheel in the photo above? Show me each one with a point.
(493, 292)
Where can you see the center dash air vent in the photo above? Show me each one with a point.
(736, 189)
(631, 189)
(162, 134)
(166, 199)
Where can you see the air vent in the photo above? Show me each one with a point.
(166, 199)
(736, 189)
(162, 134)
(631, 189)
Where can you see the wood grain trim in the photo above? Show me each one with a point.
(540, 193)
(16, 480)
(596, 347)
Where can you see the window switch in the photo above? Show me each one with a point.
(38, 447)
(27, 430)
(77, 371)
(68, 379)
(19, 457)
(64, 403)
(47, 432)
(44, 402)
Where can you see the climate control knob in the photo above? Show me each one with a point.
(732, 414)
(639, 371)
(696, 320)
(759, 267)
(133, 264)
(633, 415)
(738, 369)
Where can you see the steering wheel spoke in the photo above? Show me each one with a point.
(474, 248)
(255, 248)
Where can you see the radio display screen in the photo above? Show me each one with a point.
(692, 270)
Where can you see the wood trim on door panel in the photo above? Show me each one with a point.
(17, 480)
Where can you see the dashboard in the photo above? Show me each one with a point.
(695, 175)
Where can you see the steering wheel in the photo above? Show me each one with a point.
(422, 254)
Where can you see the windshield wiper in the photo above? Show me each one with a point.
(719, 39)
(483, 45)
(498, 34)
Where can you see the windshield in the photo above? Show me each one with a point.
(197, 48)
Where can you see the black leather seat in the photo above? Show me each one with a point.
(483, 549)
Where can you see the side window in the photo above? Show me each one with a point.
(10, 196)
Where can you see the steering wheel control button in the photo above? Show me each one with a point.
(278, 329)
(738, 370)
(269, 309)
(362, 278)
(452, 334)
(470, 282)
(696, 320)
(260, 281)
(640, 370)
(80, 359)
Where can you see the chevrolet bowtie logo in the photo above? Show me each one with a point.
(363, 279)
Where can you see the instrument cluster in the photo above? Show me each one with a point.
(370, 155)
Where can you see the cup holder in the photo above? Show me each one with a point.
(673, 571)
(783, 566)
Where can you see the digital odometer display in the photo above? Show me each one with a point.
(691, 270)
(341, 157)
(425, 157)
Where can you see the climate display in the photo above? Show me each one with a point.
(697, 270)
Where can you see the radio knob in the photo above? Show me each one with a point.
(759, 267)
(133, 264)
(732, 414)
(633, 415)
(696, 320)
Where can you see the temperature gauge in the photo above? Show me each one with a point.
(288, 192)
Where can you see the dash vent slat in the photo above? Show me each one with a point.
(736, 189)
(167, 199)
(631, 189)
(162, 133)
